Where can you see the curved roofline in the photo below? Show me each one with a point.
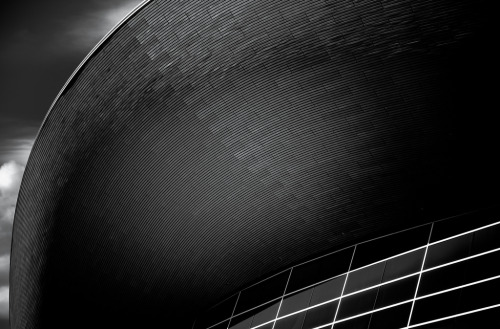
(70, 80)
(82, 64)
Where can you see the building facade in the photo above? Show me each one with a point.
(203, 146)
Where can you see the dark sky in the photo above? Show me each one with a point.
(42, 43)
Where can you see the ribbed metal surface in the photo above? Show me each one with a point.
(207, 144)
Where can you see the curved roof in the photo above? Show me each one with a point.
(207, 144)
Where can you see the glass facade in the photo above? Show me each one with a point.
(439, 275)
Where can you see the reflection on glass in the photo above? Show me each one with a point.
(292, 322)
(267, 326)
(328, 290)
(240, 323)
(356, 304)
(403, 265)
(255, 317)
(295, 302)
(320, 315)
(267, 314)
(364, 278)
(448, 251)
(396, 292)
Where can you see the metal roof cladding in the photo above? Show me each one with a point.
(206, 144)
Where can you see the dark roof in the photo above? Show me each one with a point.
(208, 144)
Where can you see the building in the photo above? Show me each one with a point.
(205, 146)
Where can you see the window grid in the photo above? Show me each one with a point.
(415, 298)
(343, 288)
(420, 275)
(281, 302)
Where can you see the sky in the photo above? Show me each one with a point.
(41, 44)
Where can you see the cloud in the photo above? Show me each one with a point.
(91, 27)
(16, 138)
(4, 301)
(4, 269)
(11, 174)
(4, 263)
(10, 180)
(74, 26)
(17, 150)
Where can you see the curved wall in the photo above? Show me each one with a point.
(440, 275)
(206, 144)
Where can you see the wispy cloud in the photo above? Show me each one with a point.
(90, 28)
(4, 301)
(10, 181)
(17, 150)
(4, 263)
(78, 28)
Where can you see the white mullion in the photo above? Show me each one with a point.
(459, 287)
(464, 233)
(282, 297)
(234, 308)
(420, 276)
(452, 316)
(343, 287)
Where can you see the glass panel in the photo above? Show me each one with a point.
(403, 265)
(320, 269)
(364, 278)
(442, 278)
(328, 290)
(372, 251)
(391, 318)
(320, 315)
(217, 313)
(267, 326)
(485, 240)
(267, 314)
(295, 302)
(435, 307)
(482, 267)
(396, 292)
(356, 304)
(262, 292)
(357, 323)
(448, 251)
(291, 322)
(468, 271)
(480, 295)
(255, 317)
(483, 319)
(241, 322)
(446, 228)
